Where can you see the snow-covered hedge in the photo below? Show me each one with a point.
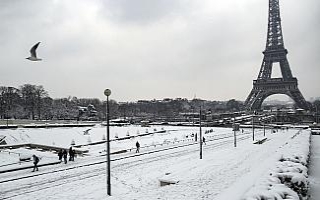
(289, 178)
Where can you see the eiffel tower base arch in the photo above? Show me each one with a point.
(265, 88)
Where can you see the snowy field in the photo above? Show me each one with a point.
(248, 171)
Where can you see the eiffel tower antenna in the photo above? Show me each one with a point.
(275, 52)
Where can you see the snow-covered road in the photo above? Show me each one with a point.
(224, 172)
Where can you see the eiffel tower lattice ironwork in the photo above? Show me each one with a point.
(275, 52)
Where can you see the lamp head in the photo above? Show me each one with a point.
(107, 92)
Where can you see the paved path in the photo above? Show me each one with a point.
(314, 173)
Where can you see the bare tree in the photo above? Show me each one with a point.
(32, 96)
(9, 99)
(40, 94)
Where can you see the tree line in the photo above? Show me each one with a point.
(33, 102)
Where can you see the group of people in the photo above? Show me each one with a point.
(64, 154)
(196, 138)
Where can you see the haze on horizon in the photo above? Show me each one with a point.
(146, 49)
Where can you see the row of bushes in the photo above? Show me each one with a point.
(289, 178)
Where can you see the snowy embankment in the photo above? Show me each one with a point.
(289, 178)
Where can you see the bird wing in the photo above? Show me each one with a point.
(87, 131)
(33, 50)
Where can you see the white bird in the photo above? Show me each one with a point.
(33, 53)
(86, 132)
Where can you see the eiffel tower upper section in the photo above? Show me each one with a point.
(275, 52)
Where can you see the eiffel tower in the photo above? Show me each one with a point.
(275, 52)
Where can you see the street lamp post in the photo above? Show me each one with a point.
(234, 132)
(107, 92)
(316, 114)
(253, 126)
(271, 127)
(200, 135)
(7, 118)
(192, 116)
(264, 129)
(6, 112)
(7, 115)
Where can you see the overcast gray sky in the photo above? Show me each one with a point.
(146, 49)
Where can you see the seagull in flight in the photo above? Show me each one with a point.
(33, 53)
(86, 132)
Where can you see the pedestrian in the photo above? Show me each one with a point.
(65, 155)
(138, 147)
(35, 163)
(204, 140)
(195, 137)
(60, 154)
(71, 155)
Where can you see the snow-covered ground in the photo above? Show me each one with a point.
(225, 172)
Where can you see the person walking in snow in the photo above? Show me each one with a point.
(138, 147)
(35, 163)
(71, 154)
(204, 140)
(60, 154)
(65, 155)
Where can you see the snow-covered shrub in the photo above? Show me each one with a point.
(275, 191)
(289, 178)
(294, 175)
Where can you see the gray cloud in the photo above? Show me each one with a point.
(152, 49)
(143, 11)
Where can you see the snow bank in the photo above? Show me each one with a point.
(289, 178)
